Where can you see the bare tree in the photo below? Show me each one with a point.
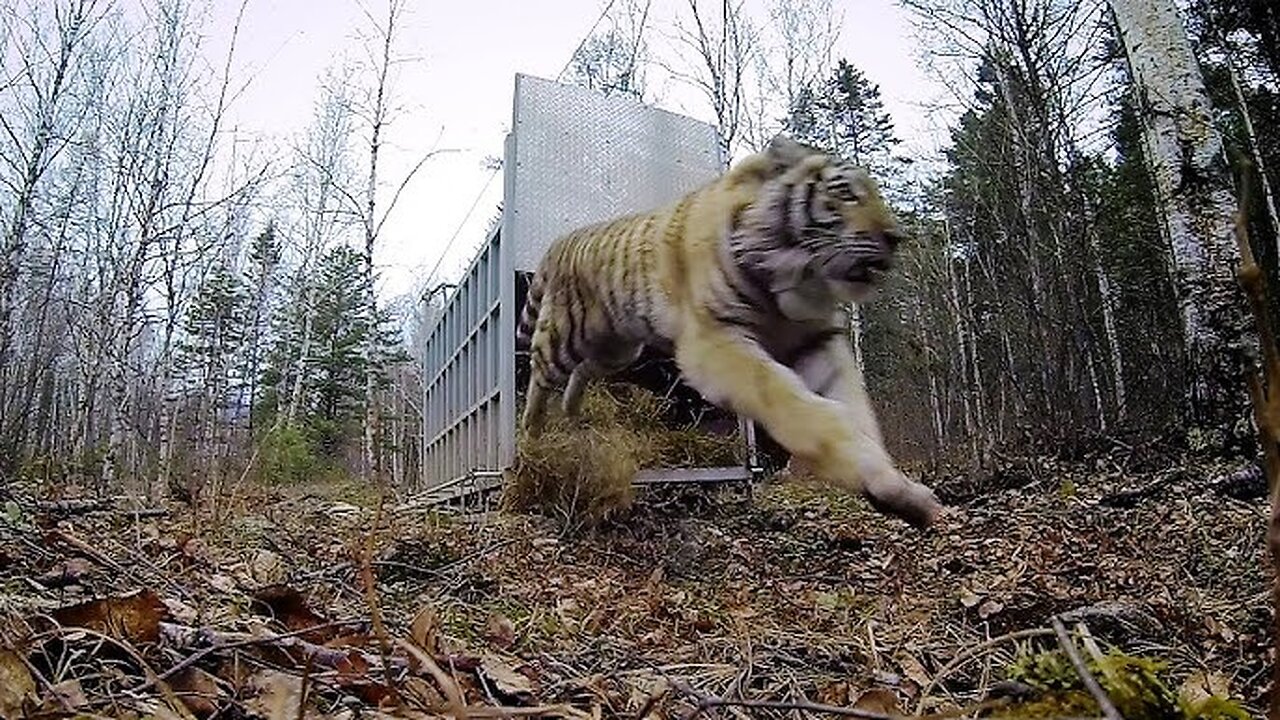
(377, 112)
(724, 44)
(322, 210)
(613, 60)
(47, 46)
(794, 55)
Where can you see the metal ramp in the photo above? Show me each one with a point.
(573, 156)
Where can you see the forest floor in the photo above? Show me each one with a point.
(697, 600)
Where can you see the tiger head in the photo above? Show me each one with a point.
(820, 232)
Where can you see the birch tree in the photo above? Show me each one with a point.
(376, 108)
(1184, 149)
(45, 47)
(723, 43)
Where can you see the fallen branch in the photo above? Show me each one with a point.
(1108, 708)
(708, 702)
(183, 637)
(86, 550)
(1129, 498)
(371, 592)
(85, 506)
(457, 704)
(1247, 483)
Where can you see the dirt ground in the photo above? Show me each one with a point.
(697, 600)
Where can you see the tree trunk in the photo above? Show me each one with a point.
(1197, 202)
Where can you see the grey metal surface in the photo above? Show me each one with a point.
(661, 476)
(582, 156)
(574, 156)
(462, 373)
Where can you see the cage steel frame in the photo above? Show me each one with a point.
(573, 156)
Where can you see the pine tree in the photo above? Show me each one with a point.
(214, 329)
(845, 115)
(261, 279)
(334, 386)
(859, 127)
(214, 332)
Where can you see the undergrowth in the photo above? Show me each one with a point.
(579, 471)
(1138, 686)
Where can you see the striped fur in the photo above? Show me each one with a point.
(744, 281)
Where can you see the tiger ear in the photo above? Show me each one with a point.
(784, 152)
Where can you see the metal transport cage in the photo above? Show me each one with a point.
(574, 156)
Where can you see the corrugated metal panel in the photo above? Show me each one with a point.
(574, 156)
(459, 404)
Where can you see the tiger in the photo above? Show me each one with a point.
(745, 282)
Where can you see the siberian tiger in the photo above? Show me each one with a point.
(743, 281)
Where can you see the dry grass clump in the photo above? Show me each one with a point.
(580, 470)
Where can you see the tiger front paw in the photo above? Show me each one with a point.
(895, 494)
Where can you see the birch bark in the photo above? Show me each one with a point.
(1197, 204)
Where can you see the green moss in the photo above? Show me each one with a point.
(1136, 685)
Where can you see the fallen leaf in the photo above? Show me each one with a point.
(222, 583)
(182, 612)
(834, 693)
(290, 609)
(884, 677)
(880, 700)
(1200, 685)
(198, 690)
(17, 688)
(353, 666)
(66, 573)
(968, 598)
(66, 695)
(989, 607)
(135, 617)
(914, 671)
(195, 551)
(506, 681)
(423, 691)
(656, 577)
(425, 630)
(276, 695)
(500, 631)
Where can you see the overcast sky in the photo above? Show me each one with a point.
(458, 91)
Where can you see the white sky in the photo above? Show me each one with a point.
(459, 90)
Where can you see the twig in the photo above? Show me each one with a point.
(220, 643)
(707, 702)
(148, 672)
(439, 572)
(447, 685)
(1090, 682)
(84, 506)
(371, 592)
(302, 698)
(481, 711)
(89, 551)
(972, 652)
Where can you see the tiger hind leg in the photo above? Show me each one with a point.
(544, 377)
(621, 355)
